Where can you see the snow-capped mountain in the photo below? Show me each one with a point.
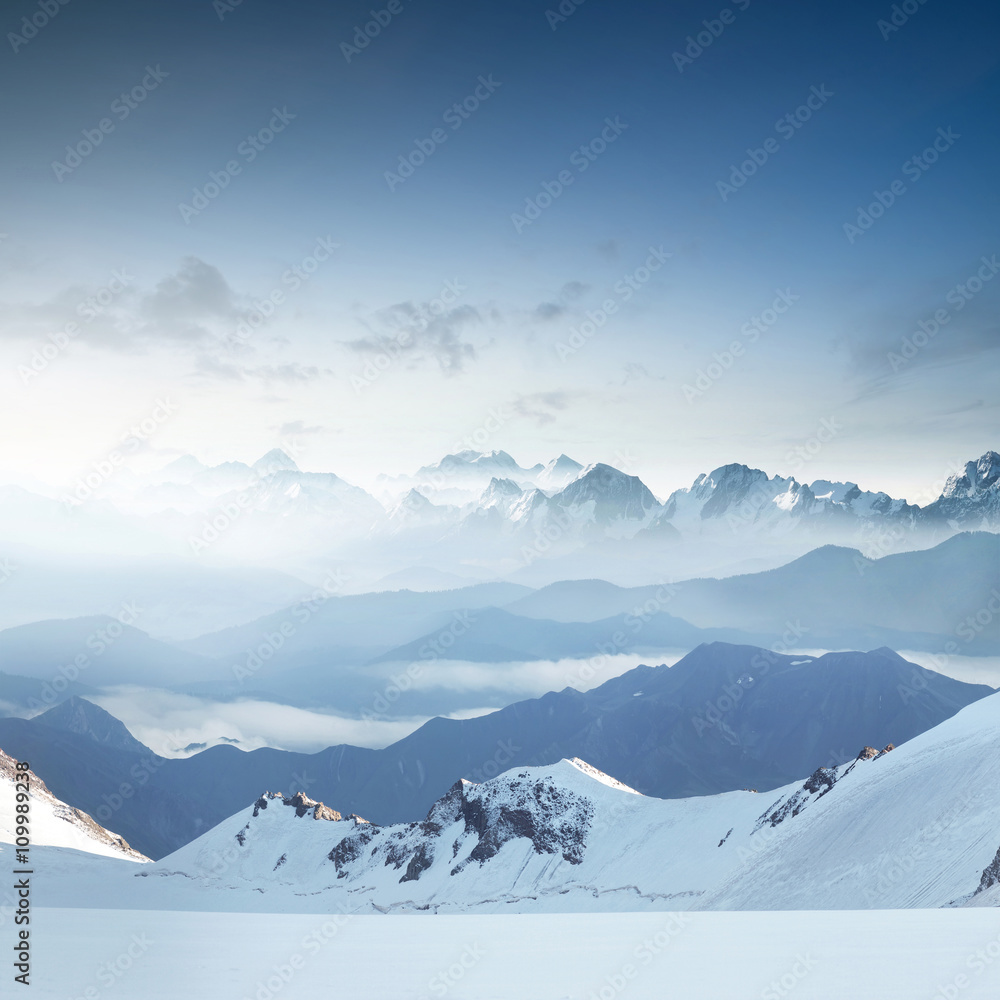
(724, 717)
(482, 515)
(461, 477)
(52, 822)
(558, 473)
(917, 825)
(747, 499)
(971, 499)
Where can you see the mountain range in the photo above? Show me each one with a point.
(905, 826)
(346, 652)
(724, 717)
(477, 516)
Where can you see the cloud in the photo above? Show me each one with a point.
(532, 679)
(571, 292)
(889, 351)
(215, 367)
(411, 330)
(296, 428)
(574, 290)
(164, 720)
(193, 307)
(101, 316)
(634, 370)
(548, 310)
(186, 304)
(539, 406)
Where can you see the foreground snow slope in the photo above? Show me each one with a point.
(917, 826)
(148, 955)
(52, 822)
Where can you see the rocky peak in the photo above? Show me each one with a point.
(532, 804)
(615, 494)
(979, 476)
(302, 805)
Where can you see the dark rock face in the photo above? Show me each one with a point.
(815, 786)
(302, 804)
(538, 812)
(419, 863)
(351, 848)
(867, 753)
(990, 876)
(554, 819)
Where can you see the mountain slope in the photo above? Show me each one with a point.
(725, 717)
(98, 650)
(913, 826)
(494, 635)
(77, 715)
(924, 599)
(53, 823)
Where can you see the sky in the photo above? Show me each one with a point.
(666, 237)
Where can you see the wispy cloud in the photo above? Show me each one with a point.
(187, 304)
(406, 330)
(542, 406)
(571, 292)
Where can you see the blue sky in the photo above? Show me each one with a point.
(502, 301)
